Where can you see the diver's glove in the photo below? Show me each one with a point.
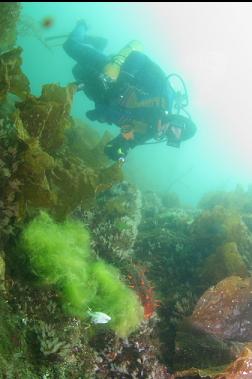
(115, 153)
(121, 160)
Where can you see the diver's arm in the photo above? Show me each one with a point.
(118, 148)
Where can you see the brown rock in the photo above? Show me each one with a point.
(225, 310)
(241, 368)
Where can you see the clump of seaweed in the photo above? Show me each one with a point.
(52, 176)
(51, 173)
(53, 343)
(88, 145)
(225, 261)
(238, 199)
(170, 200)
(10, 185)
(47, 117)
(50, 344)
(11, 76)
(216, 226)
(113, 221)
(60, 255)
(13, 345)
(9, 15)
(135, 357)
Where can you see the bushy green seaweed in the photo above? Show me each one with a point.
(60, 255)
(112, 295)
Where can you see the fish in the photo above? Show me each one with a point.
(99, 317)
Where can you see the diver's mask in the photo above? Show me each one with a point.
(173, 136)
(178, 128)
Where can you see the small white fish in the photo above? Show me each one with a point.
(99, 317)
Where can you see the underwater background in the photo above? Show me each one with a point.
(207, 44)
(134, 271)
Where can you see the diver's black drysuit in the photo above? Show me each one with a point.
(136, 101)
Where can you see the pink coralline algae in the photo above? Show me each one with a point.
(225, 310)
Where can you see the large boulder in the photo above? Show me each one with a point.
(225, 310)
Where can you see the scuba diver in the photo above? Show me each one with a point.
(130, 91)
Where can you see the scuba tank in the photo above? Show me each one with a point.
(113, 68)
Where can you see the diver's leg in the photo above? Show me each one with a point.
(78, 73)
(119, 146)
(79, 47)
